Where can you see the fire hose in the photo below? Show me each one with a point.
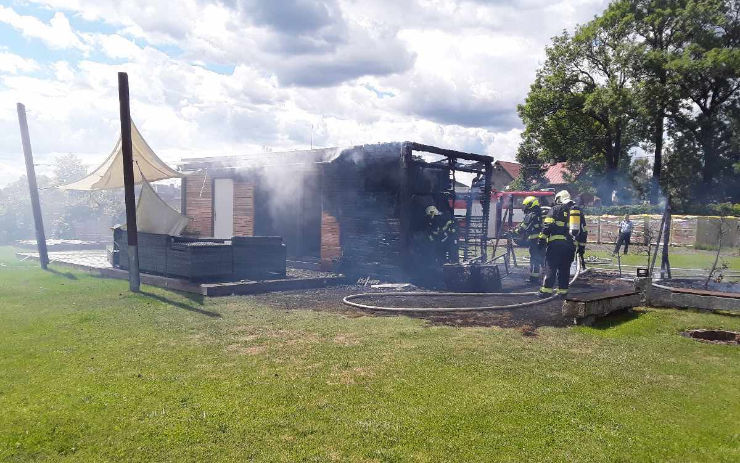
(348, 300)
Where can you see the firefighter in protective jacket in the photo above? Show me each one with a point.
(559, 230)
(442, 234)
(529, 231)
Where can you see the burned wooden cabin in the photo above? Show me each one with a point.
(355, 210)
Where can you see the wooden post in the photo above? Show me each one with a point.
(405, 191)
(33, 187)
(497, 217)
(509, 244)
(657, 241)
(486, 205)
(128, 182)
(665, 264)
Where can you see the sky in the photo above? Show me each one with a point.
(247, 76)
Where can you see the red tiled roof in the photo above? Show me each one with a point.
(511, 168)
(556, 173)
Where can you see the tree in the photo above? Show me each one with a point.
(657, 25)
(641, 176)
(532, 173)
(581, 107)
(16, 215)
(706, 73)
(662, 74)
(68, 168)
(88, 211)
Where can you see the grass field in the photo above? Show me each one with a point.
(685, 258)
(90, 372)
(679, 257)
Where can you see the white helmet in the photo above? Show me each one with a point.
(431, 211)
(563, 197)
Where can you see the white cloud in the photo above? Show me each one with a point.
(332, 72)
(57, 34)
(13, 64)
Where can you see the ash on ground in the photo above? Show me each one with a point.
(546, 314)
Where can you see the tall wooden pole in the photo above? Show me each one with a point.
(657, 242)
(33, 187)
(128, 182)
(665, 263)
(486, 204)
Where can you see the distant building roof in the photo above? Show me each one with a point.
(556, 173)
(511, 168)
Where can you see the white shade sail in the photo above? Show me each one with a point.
(153, 215)
(147, 167)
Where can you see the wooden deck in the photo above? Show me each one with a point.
(95, 263)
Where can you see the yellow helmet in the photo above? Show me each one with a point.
(431, 211)
(562, 197)
(529, 202)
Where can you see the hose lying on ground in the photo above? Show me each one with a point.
(348, 300)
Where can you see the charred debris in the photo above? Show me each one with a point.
(358, 210)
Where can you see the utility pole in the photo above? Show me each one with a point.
(33, 187)
(128, 183)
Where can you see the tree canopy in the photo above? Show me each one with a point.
(647, 75)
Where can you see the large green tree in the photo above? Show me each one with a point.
(659, 34)
(581, 107)
(706, 73)
(661, 74)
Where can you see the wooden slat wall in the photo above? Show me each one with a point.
(199, 203)
(331, 249)
(359, 228)
(243, 208)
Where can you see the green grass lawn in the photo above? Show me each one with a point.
(679, 257)
(91, 372)
(683, 258)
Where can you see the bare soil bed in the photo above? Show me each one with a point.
(714, 336)
(546, 314)
(722, 286)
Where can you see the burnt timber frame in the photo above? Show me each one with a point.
(484, 166)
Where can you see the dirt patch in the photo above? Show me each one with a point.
(714, 336)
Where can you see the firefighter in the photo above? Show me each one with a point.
(581, 239)
(529, 232)
(559, 229)
(442, 233)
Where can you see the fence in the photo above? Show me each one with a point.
(686, 230)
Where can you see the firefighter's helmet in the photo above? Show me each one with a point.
(530, 202)
(563, 197)
(432, 211)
